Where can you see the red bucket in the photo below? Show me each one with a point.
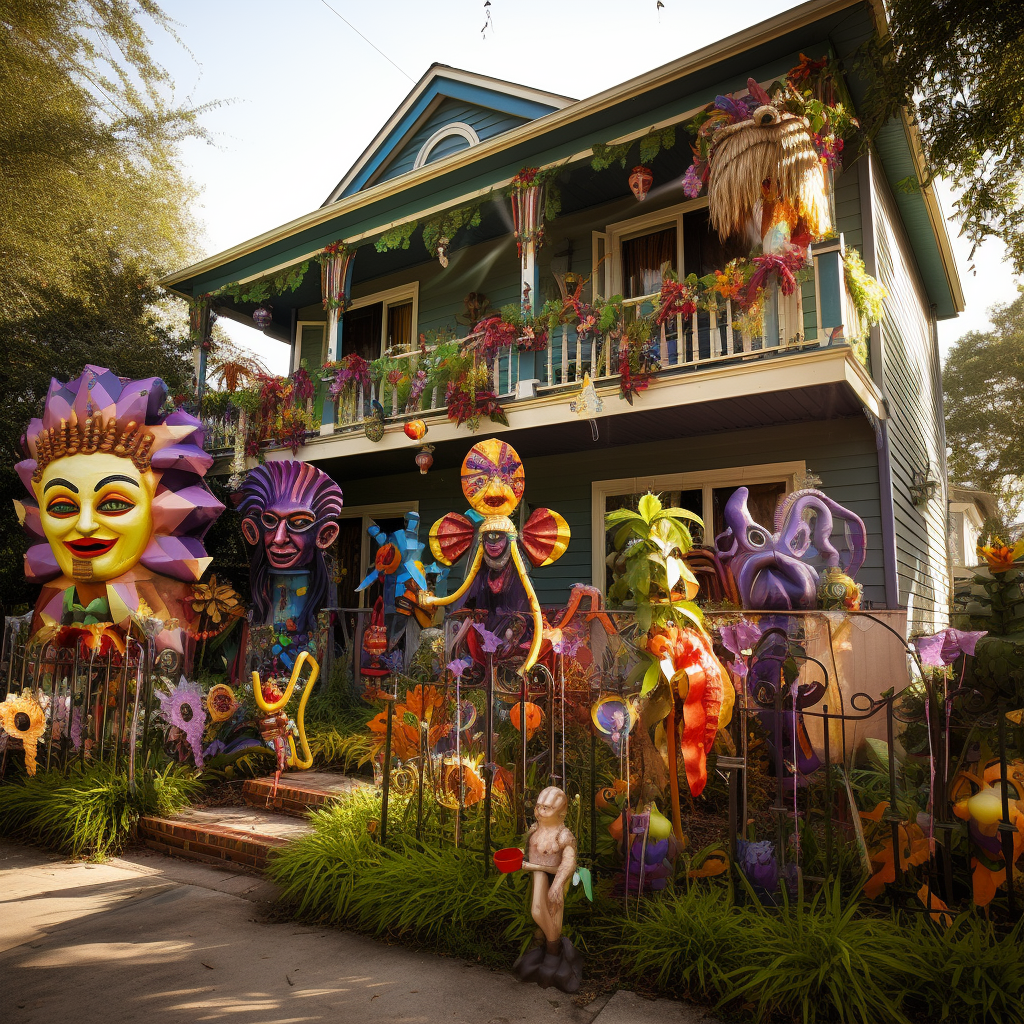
(508, 860)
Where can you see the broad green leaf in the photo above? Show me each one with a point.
(644, 616)
(621, 515)
(651, 678)
(619, 542)
(588, 884)
(649, 506)
(682, 513)
(690, 611)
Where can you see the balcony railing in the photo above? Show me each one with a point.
(808, 318)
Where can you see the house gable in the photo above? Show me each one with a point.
(448, 110)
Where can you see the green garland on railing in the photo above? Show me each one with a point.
(397, 237)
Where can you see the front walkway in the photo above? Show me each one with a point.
(149, 939)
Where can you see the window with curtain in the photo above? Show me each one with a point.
(643, 258)
(400, 327)
(360, 331)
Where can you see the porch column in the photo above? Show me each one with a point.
(336, 265)
(527, 197)
(200, 320)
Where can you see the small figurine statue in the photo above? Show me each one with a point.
(551, 856)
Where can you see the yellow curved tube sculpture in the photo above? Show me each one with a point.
(271, 709)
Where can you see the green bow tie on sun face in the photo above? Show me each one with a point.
(94, 612)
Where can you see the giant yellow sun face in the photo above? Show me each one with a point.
(97, 513)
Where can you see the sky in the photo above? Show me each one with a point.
(301, 94)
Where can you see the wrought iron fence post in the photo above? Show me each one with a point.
(892, 814)
(828, 794)
(1006, 828)
(386, 780)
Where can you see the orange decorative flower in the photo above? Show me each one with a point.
(1001, 558)
(409, 716)
(217, 601)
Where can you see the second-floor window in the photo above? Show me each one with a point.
(644, 259)
(379, 323)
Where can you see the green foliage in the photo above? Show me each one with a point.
(983, 393)
(89, 811)
(88, 148)
(650, 146)
(652, 540)
(266, 287)
(824, 960)
(955, 66)
(448, 223)
(396, 238)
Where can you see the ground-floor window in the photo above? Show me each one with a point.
(353, 551)
(703, 493)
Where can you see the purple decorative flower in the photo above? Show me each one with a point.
(491, 640)
(692, 183)
(185, 709)
(758, 863)
(459, 666)
(737, 639)
(943, 648)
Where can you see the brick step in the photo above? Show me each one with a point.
(235, 838)
(300, 792)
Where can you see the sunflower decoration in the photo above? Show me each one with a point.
(419, 706)
(219, 602)
(23, 718)
(999, 556)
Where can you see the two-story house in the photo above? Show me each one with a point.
(431, 240)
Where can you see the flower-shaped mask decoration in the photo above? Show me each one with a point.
(22, 717)
(185, 709)
(221, 702)
(493, 483)
(219, 602)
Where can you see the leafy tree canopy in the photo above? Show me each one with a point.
(983, 384)
(88, 147)
(956, 65)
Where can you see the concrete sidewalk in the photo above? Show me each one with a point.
(157, 940)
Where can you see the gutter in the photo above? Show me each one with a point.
(715, 52)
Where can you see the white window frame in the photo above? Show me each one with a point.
(297, 357)
(459, 128)
(623, 230)
(704, 480)
(397, 296)
(366, 514)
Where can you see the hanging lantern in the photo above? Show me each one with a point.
(262, 317)
(424, 458)
(442, 250)
(640, 181)
(415, 429)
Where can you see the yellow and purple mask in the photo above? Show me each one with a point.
(493, 483)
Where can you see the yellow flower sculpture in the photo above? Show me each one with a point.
(23, 718)
(217, 601)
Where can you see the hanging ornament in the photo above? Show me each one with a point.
(527, 195)
(415, 429)
(640, 181)
(442, 250)
(262, 317)
(424, 458)
(373, 427)
(587, 404)
(534, 717)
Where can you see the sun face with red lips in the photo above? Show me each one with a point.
(96, 512)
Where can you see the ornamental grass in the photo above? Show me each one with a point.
(90, 811)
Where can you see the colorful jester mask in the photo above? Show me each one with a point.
(493, 483)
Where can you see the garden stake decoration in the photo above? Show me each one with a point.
(493, 483)
(22, 717)
(550, 856)
(117, 513)
(274, 726)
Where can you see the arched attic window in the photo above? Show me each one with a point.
(449, 139)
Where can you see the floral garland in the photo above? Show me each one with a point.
(259, 291)
(396, 238)
(442, 228)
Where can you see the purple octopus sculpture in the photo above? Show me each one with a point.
(783, 570)
(806, 563)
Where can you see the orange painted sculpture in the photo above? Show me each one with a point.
(497, 579)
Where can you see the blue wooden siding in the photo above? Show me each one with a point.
(842, 452)
(911, 370)
(483, 120)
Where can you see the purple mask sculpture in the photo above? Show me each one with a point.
(780, 570)
(289, 518)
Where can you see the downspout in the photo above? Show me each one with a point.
(877, 348)
(941, 411)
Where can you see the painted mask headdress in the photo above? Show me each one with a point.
(138, 498)
(493, 483)
(290, 515)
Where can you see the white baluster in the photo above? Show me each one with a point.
(565, 353)
(394, 400)
(663, 345)
(680, 340)
(434, 399)
(551, 356)
(730, 340)
(579, 356)
(360, 403)
(800, 311)
(696, 338)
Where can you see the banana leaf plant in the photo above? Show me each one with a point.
(652, 543)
